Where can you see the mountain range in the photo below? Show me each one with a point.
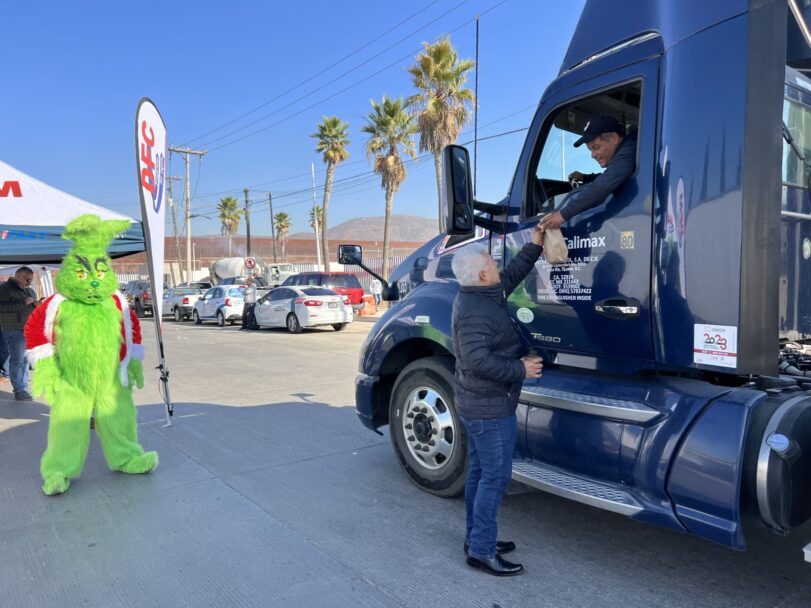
(404, 229)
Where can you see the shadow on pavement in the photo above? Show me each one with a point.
(296, 504)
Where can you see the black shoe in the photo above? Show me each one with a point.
(502, 546)
(22, 396)
(497, 566)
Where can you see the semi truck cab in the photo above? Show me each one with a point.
(676, 387)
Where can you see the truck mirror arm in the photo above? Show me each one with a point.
(389, 292)
(494, 226)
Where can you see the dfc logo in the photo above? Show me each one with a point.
(717, 341)
(153, 167)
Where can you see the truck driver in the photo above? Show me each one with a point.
(615, 152)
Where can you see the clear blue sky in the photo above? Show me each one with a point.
(74, 72)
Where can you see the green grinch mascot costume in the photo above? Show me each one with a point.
(85, 343)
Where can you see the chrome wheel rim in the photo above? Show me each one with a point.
(428, 428)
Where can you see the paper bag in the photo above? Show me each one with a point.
(554, 246)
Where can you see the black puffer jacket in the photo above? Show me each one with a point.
(14, 312)
(489, 370)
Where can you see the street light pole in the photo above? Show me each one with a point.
(186, 152)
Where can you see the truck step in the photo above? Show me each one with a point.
(596, 494)
(614, 409)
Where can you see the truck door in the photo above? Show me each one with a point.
(594, 310)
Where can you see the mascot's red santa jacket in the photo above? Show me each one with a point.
(40, 336)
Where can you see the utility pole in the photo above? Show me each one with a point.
(272, 225)
(316, 221)
(186, 152)
(248, 221)
(170, 179)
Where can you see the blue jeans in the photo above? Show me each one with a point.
(3, 356)
(491, 443)
(18, 364)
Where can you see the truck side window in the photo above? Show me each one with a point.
(556, 157)
(797, 118)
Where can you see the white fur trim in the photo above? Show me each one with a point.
(50, 316)
(39, 352)
(138, 351)
(125, 315)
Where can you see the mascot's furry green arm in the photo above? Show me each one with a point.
(86, 345)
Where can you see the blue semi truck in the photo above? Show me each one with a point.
(677, 337)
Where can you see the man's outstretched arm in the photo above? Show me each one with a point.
(595, 192)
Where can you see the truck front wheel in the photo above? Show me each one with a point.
(425, 429)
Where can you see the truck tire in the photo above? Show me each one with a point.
(426, 432)
(139, 309)
(178, 317)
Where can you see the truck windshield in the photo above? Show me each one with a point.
(797, 118)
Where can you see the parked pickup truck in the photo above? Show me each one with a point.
(139, 296)
(178, 302)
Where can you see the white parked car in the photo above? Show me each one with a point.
(220, 304)
(178, 302)
(299, 307)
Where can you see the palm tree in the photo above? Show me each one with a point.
(283, 224)
(390, 127)
(442, 103)
(230, 214)
(316, 223)
(333, 140)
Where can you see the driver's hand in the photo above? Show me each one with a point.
(553, 220)
(576, 176)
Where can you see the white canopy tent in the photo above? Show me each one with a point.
(33, 216)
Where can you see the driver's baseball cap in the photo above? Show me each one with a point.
(597, 126)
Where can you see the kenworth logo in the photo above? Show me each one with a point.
(151, 167)
(11, 187)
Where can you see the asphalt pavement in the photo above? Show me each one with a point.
(270, 493)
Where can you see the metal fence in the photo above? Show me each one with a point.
(141, 271)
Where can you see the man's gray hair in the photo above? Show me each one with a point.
(468, 263)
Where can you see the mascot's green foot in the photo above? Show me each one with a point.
(55, 484)
(141, 464)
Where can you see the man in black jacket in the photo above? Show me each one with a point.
(17, 302)
(491, 365)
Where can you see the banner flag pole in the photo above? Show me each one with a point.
(150, 158)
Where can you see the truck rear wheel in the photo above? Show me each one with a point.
(426, 431)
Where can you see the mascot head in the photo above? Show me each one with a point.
(86, 274)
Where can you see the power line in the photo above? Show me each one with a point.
(358, 182)
(362, 80)
(326, 69)
(333, 80)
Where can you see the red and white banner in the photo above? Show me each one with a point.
(150, 154)
(150, 142)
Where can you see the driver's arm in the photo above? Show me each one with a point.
(595, 192)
